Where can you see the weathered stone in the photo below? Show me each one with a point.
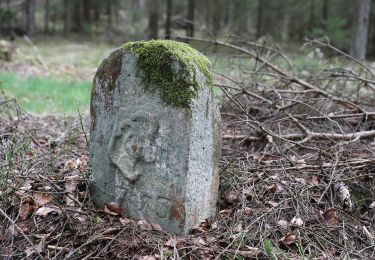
(157, 160)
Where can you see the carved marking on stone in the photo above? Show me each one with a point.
(132, 143)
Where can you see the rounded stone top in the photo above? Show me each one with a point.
(171, 67)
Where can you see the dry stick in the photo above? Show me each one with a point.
(20, 230)
(293, 79)
(261, 127)
(311, 135)
(316, 41)
(81, 122)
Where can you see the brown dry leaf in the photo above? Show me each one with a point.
(27, 207)
(25, 187)
(283, 223)
(173, 242)
(114, 208)
(301, 180)
(314, 180)
(83, 166)
(125, 221)
(232, 197)
(199, 241)
(251, 253)
(296, 222)
(156, 227)
(204, 226)
(70, 165)
(71, 183)
(287, 240)
(272, 188)
(330, 217)
(29, 251)
(272, 203)
(147, 257)
(44, 211)
(144, 225)
(225, 213)
(367, 233)
(42, 198)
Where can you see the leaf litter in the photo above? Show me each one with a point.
(278, 200)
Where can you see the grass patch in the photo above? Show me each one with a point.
(47, 95)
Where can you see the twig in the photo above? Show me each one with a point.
(23, 234)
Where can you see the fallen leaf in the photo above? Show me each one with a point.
(125, 221)
(44, 211)
(42, 198)
(301, 180)
(225, 213)
(232, 197)
(29, 251)
(147, 257)
(173, 242)
(369, 236)
(314, 180)
(71, 183)
(70, 165)
(330, 217)
(296, 222)
(199, 241)
(113, 208)
(272, 203)
(287, 240)
(156, 226)
(343, 194)
(27, 207)
(144, 225)
(283, 223)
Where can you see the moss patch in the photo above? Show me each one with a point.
(108, 72)
(157, 59)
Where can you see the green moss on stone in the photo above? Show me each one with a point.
(171, 66)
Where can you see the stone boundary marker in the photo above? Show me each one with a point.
(154, 137)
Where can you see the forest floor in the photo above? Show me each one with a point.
(307, 197)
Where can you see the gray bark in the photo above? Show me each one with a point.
(361, 32)
(153, 19)
(30, 16)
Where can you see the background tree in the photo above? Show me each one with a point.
(153, 19)
(190, 18)
(168, 20)
(361, 31)
(67, 17)
(260, 18)
(30, 6)
(46, 16)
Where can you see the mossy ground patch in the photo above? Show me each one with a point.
(156, 60)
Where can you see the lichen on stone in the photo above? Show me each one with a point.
(157, 60)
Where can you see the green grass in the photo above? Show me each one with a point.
(45, 94)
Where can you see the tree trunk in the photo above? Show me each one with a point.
(67, 17)
(153, 18)
(285, 27)
(109, 12)
(260, 18)
(168, 21)
(190, 18)
(325, 11)
(361, 32)
(312, 16)
(87, 11)
(46, 16)
(78, 16)
(217, 15)
(30, 16)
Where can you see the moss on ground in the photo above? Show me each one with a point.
(157, 59)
